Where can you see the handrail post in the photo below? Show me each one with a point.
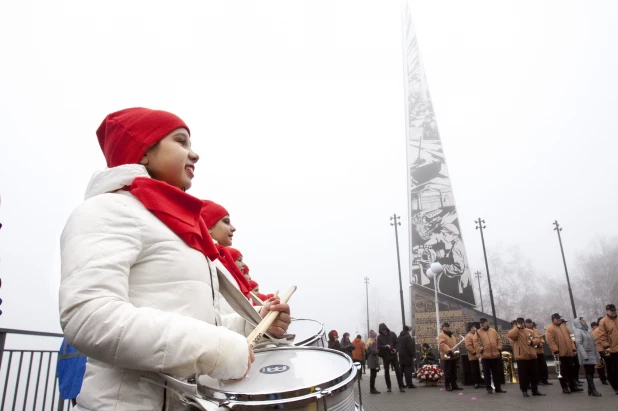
(2, 342)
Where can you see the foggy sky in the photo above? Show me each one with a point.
(296, 109)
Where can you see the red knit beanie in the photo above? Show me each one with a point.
(126, 135)
(234, 253)
(246, 270)
(212, 213)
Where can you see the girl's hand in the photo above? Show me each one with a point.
(250, 360)
(281, 324)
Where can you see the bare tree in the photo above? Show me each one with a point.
(595, 282)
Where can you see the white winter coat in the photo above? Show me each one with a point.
(586, 349)
(138, 301)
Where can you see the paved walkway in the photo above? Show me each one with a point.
(435, 398)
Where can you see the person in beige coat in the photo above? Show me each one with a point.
(596, 331)
(446, 342)
(473, 355)
(489, 345)
(523, 349)
(541, 363)
(559, 340)
(608, 336)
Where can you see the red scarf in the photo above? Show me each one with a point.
(179, 211)
(228, 262)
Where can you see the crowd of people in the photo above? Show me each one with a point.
(396, 352)
(593, 348)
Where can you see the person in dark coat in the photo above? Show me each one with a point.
(427, 356)
(405, 349)
(333, 341)
(387, 349)
(346, 345)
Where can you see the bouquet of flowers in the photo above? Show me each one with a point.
(430, 372)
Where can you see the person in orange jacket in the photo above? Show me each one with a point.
(473, 355)
(489, 345)
(608, 336)
(359, 352)
(446, 343)
(523, 341)
(595, 333)
(559, 340)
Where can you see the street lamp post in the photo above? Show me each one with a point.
(367, 296)
(432, 272)
(478, 277)
(481, 226)
(557, 228)
(395, 223)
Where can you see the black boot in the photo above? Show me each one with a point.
(591, 388)
(575, 388)
(525, 393)
(538, 394)
(374, 391)
(447, 386)
(490, 391)
(566, 390)
(455, 386)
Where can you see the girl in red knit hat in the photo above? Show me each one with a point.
(238, 259)
(243, 268)
(139, 293)
(217, 219)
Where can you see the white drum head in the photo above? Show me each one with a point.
(306, 331)
(285, 369)
(284, 375)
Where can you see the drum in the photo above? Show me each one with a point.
(308, 333)
(294, 378)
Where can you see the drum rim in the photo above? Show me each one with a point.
(313, 338)
(298, 396)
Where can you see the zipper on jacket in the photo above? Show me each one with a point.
(212, 289)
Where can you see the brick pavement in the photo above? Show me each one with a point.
(433, 398)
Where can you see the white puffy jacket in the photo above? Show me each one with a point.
(137, 301)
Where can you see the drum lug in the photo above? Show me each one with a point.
(324, 393)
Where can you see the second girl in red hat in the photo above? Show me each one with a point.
(217, 219)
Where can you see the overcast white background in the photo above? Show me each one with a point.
(296, 109)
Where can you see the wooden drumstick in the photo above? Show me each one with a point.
(267, 321)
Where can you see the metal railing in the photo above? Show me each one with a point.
(28, 377)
